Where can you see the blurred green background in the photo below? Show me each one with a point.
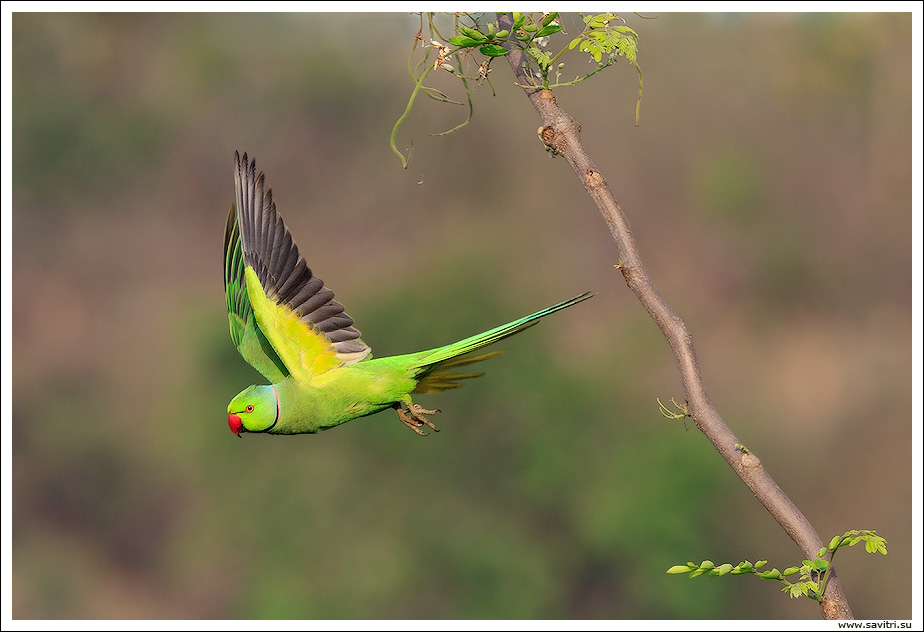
(768, 186)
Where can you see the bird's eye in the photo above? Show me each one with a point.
(249, 408)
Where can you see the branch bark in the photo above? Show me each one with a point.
(562, 134)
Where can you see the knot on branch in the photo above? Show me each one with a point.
(557, 136)
(750, 461)
(548, 135)
(593, 179)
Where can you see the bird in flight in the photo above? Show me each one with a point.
(288, 326)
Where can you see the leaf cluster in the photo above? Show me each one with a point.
(599, 38)
(603, 34)
(813, 574)
(524, 34)
(604, 38)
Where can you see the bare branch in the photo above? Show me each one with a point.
(562, 134)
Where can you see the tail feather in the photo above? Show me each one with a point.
(433, 376)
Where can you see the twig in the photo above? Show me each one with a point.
(562, 134)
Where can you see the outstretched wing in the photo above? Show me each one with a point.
(283, 320)
(245, 332)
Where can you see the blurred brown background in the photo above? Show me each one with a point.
(768, 186)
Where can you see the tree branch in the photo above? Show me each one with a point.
(562, 134)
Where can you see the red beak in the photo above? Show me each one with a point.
(236, 424)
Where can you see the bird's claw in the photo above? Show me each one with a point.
(413, 418)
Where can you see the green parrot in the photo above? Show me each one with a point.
(286, 323)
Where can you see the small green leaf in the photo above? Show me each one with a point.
(548, 30)
(724, 569)
(809, 586)
(800, 588)
(771, 574)
(677, 570)
(760, 563)
(625, 29)
(822, 552)
(706, 565)
(475, 35)
(465, 42)
(491, 29)
(599, 21)
(548, 19)
(574, 42)
(530, 28)
(834, 543)
(493, 50)
(503, 34)
(792, 570)
(539, 56)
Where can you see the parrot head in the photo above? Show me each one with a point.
(255, 409)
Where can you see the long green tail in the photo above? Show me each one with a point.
(434, 376)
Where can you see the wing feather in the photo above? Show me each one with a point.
(245, 332)
(319, 326)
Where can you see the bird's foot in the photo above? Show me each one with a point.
(413, 418)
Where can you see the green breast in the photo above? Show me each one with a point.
(344, 394)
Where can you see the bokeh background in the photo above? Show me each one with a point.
(768, 186)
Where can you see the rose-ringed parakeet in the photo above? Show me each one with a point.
(289, 327)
